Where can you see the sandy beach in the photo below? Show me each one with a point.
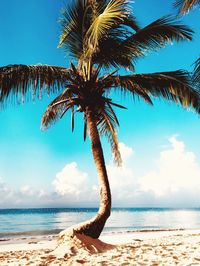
(134, 248)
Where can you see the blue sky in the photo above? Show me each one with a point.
(36, 167)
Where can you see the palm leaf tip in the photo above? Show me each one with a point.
(47, 118)
(50, 116)
(174, 29)
(158, 34)
(184, 6)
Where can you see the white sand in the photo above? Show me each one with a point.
(140, 248)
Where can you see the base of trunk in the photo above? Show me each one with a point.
(74, 243)
(92, 227)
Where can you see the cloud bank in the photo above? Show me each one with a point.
(173, 181)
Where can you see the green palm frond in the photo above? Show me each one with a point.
(112, 50)
(114, 13)
(21, 82)
(184, 6)
(196, 75)
(157, 34)
(173, 86)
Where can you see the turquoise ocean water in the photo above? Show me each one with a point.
(22, 222)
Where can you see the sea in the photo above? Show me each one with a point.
(50, 221)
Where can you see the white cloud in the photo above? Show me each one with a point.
(126, 152)
(70, 187)
(176, 171)
(70, 181)
(73, 186)
(22, 197)
(3, 188)
(27, 191)
(173, 181)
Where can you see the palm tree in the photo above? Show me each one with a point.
(184, 6)
(101, 37)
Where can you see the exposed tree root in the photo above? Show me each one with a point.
(72, 243)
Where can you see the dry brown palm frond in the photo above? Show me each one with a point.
(107, 124)
(57, 108)
(173, 86)
(18, 82)
(158, 34)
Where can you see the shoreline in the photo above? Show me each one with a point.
(28, 236)
(163, 247)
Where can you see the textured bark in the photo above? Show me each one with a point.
(94, 226)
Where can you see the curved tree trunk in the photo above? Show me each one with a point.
(94, 226)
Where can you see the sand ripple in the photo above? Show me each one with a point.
(178, 249)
